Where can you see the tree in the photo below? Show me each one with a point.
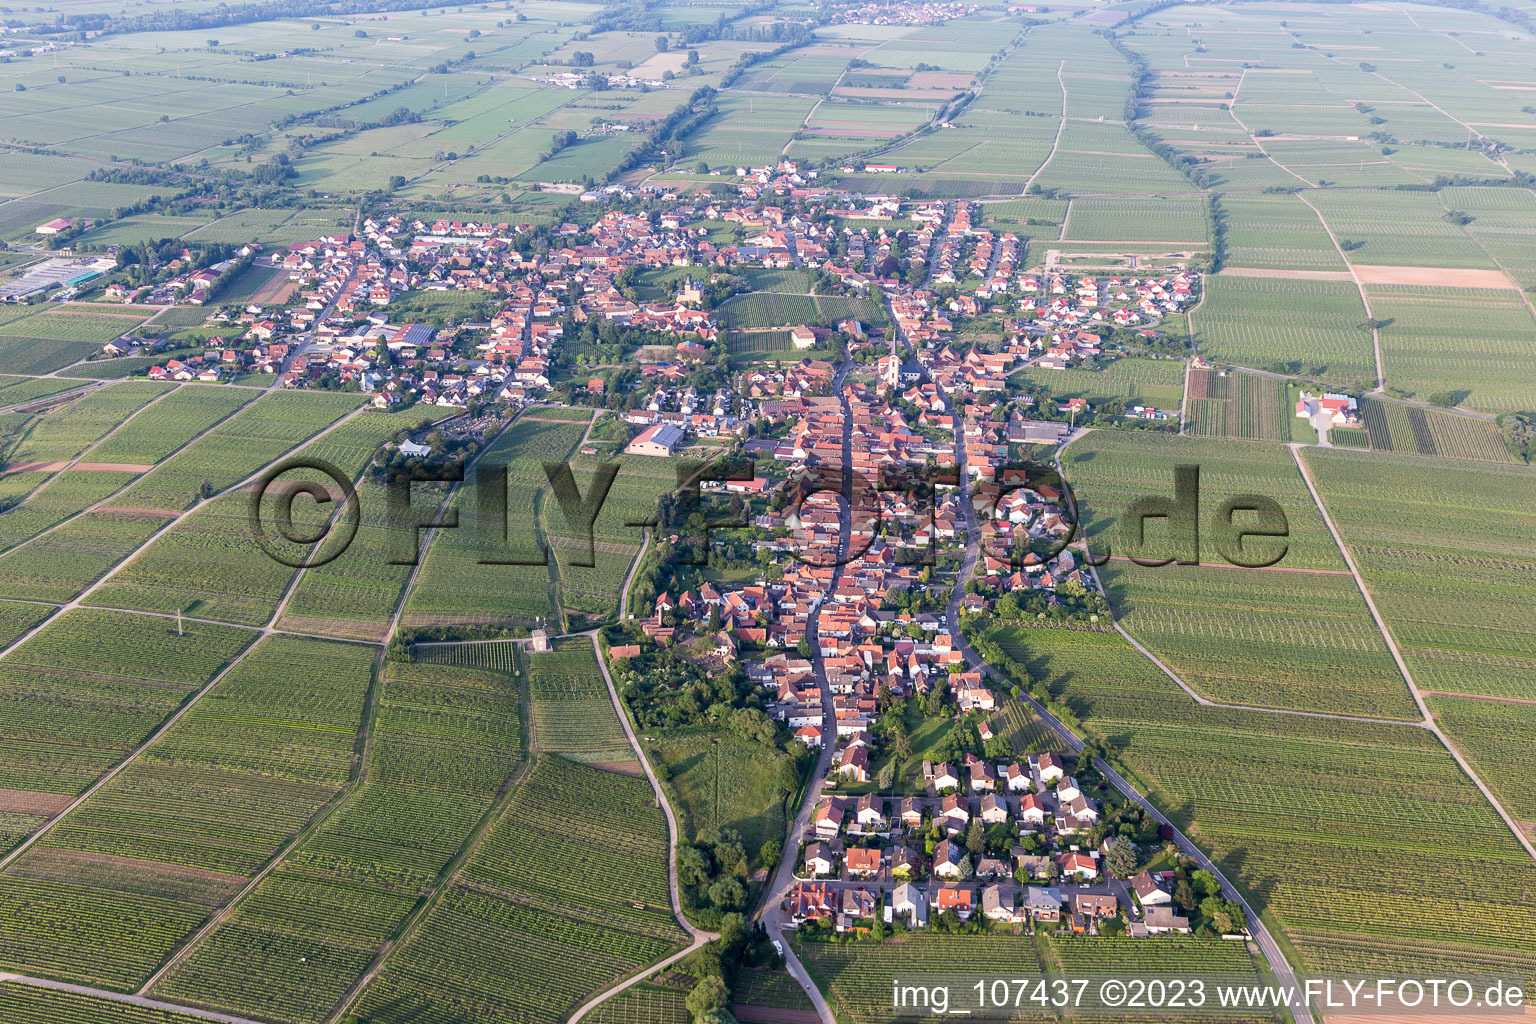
(770, 852)
(662, 44)
(975, 837)
(360, 34)
(708, 996)
(1122, 858)
(887, 774)
(692, 866)
(1207, 884)
(728, 893)
(1184, 896)
(967, 868)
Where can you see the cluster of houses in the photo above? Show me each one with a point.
(874, 856)
(902, 14)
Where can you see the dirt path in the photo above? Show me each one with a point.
(1060, 127)
(1418, 697)
(101, 993)
(1478, 696)
(1381, 380)
(699, 937)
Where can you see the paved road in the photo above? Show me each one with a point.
(1266, 942)
(769, 913)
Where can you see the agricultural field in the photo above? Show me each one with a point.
(51, 339)
(1269, 637)
(480, 574)
(171, 423)
(207, 564)
(1175, 222)
(1129, 381)
(1277, 233)
(1294, 796)
(541, 883)
(445, 743)
(1394, 427)
(33, 1004)
(65, 431)
(1475, 345)
(573, 713)
(1444, 546)
(1108, 470)
(353, 793)
(858, 974)
(633, 498)
(1314, 326)
(87, 688)
(56, 499)
(759, 310)
(718, 781)
(1399, 229)
(16, 391)
(62, 561)
(238, 447)
(1239, 405)
(182, 828)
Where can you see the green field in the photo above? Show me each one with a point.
(1238, 405)
(1445, 548)
(1267, 322)
(87, 688)
(467, 577)
(136, 867)
(554, 881)
(1268, 637)
(1394, 427)
(445, 742)
(1283, 798)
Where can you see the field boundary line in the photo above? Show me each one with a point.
(123, 997)
(187, 705)
(1418, 697)
(175, 518)
(90, 385)
(1061, 124)
(698, 936)
(1381, 377)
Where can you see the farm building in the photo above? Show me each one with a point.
(661, 440)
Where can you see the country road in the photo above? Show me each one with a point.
(699, 937)
(770, 912)
(1266, 942)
